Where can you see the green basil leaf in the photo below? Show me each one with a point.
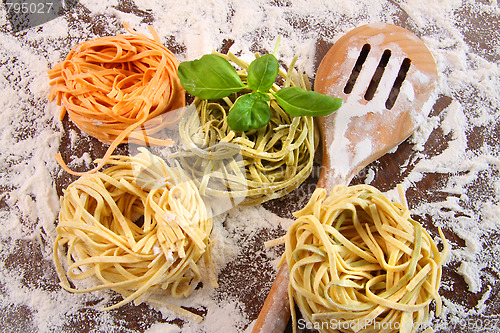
(299, 102)
(250, 111)
(210, 77)
(262, 73)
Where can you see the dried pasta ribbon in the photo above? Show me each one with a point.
(118, 89)
(270, 162)
(138, 228)
(359, 263)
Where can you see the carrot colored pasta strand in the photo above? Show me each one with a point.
(112, 86)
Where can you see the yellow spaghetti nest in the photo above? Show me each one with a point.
(359, 263)
(113, 85)
(138, 228)
(256, 165)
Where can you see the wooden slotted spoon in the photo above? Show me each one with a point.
(387, 79)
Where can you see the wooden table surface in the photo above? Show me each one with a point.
(248, 282)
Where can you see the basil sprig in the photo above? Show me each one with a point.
(213, 77)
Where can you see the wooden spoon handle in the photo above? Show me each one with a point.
(275, 312)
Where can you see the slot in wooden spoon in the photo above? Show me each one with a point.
(387, 79)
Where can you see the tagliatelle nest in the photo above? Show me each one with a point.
(119, 89)
(359, 263)
(138, 228)
(253, 166)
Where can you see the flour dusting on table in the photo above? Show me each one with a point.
(465, 202)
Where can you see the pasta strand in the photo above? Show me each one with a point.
(118, 89)
(101, 239)
(248, 167)
(359, 262)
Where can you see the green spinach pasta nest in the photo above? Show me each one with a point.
(247, 167)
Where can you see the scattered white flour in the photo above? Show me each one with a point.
(465, 202)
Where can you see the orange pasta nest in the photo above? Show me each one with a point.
(118, 89)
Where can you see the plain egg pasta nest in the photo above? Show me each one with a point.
(359, 263)
(253, 166)
(139, 228)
